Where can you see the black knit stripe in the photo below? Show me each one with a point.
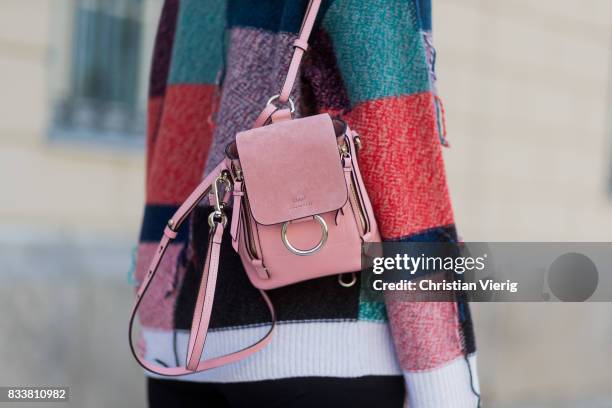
(297, 392)
(466, 327)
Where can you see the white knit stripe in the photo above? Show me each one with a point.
(328, 349)
(447, 386)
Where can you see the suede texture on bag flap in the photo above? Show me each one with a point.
(292, 169)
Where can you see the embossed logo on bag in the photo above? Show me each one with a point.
(300, 201)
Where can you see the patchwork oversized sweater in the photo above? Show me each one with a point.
(215, 64)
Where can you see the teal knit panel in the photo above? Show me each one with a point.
(197, 56)
(379, 49)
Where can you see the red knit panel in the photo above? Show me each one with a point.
(182, 144)
(157, 308)
(154, 111)
(426, 334)
(402, 163)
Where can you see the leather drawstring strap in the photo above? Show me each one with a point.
(206, 292)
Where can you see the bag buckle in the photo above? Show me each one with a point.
(218, 215)
(305, 252)
(276, 97)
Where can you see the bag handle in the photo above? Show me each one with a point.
(206, 293)
(300, 45)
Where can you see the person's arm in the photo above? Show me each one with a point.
(387, 94)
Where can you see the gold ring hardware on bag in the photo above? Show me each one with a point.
(275, 97)
(357, 141)
(344, 152)
(237, 172)
(349, 283)
(170, 224)
(305, 252)
(218, 215)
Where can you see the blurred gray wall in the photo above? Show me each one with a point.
(65, 303)
(69, 218)
(526, 85)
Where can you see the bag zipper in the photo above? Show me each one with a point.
(356, 204)
(353, 196)
(250, 239)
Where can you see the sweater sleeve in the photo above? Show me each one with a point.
(384, 58)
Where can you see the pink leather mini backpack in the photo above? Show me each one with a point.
(299, 210)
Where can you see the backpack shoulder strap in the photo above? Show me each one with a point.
(300, 45)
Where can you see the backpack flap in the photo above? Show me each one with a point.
(292, 169)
